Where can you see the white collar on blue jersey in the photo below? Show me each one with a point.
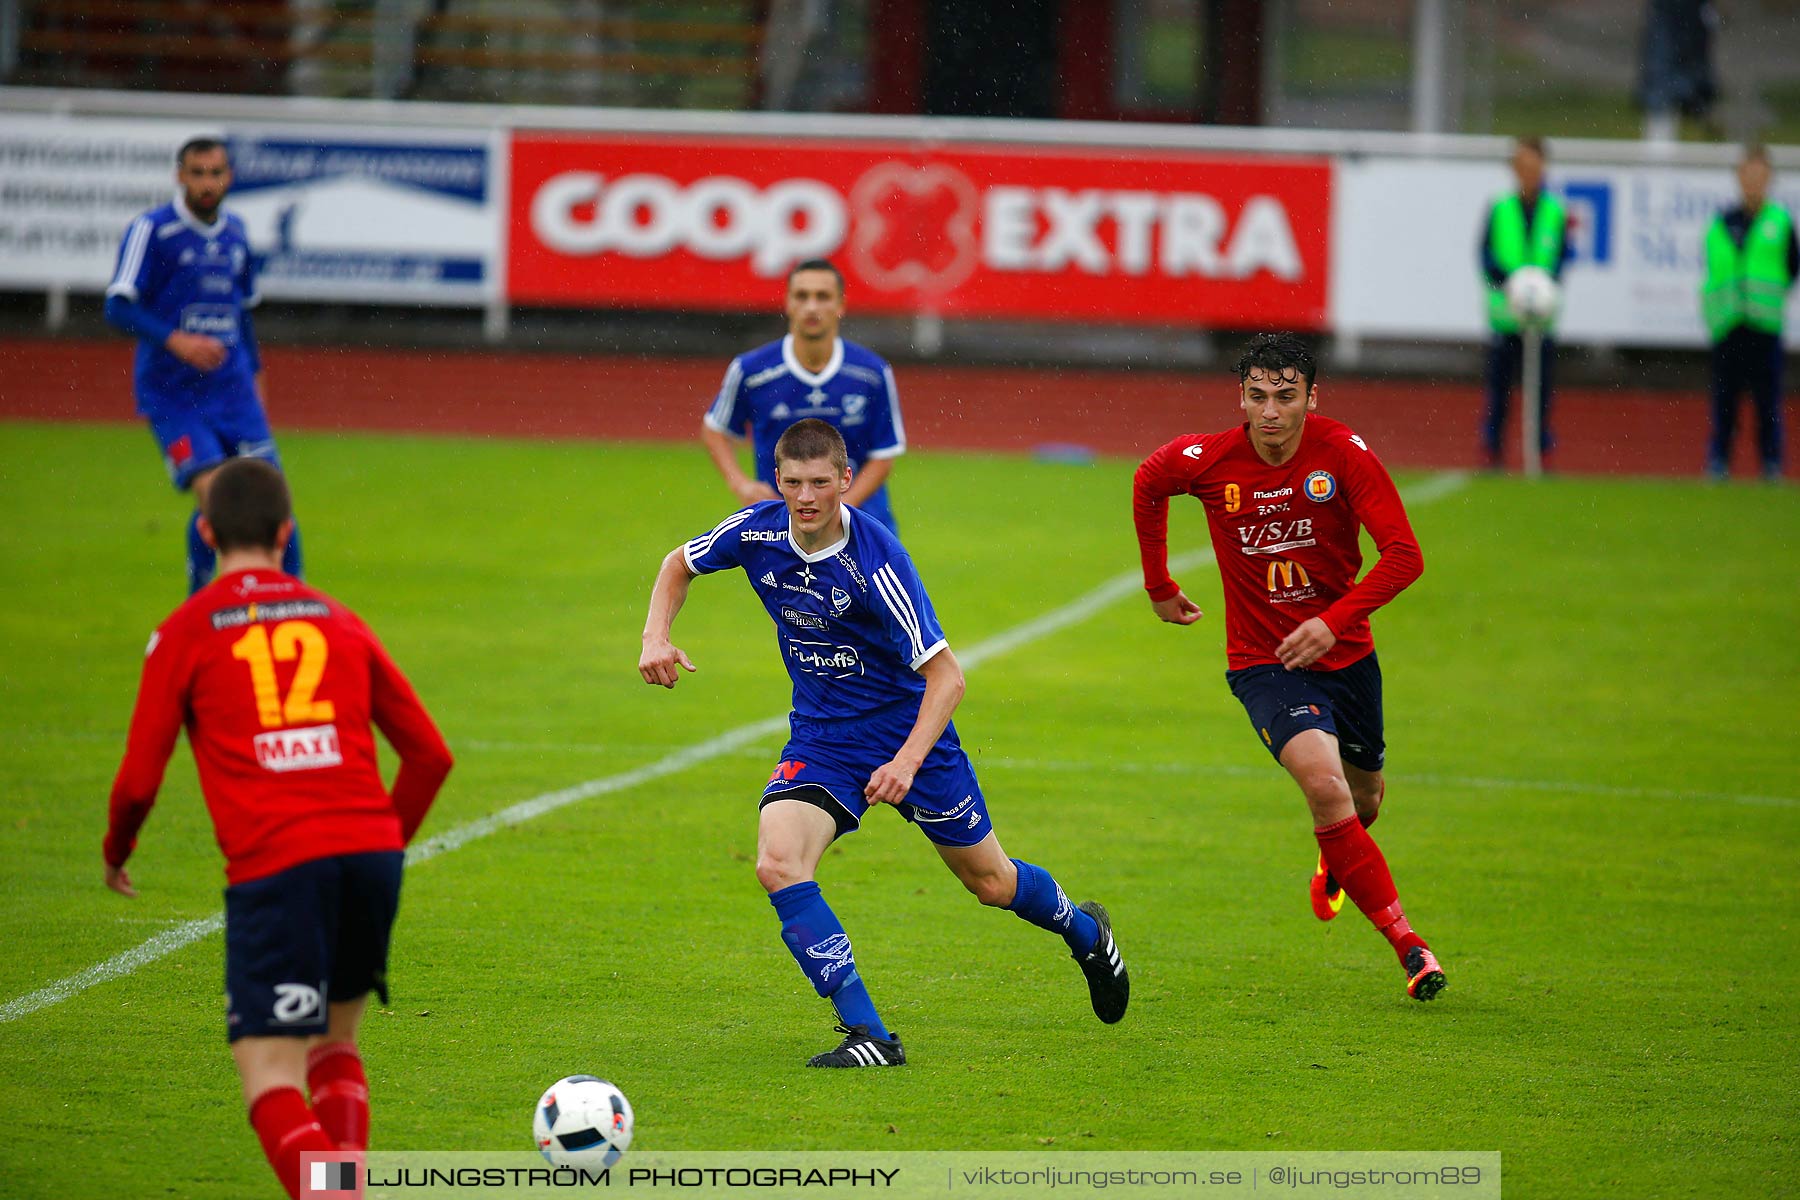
(828, 551)
(806, 376)
(194, 223)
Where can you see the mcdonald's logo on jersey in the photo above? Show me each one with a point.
(1288, 571)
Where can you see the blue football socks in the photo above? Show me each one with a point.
(1040, 900)
(816, 939)
(290, 558)
(200, 556)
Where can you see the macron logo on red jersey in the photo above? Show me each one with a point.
(1195, 450)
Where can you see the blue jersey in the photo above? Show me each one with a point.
(853, 621)
(197, 278)
(767, 389)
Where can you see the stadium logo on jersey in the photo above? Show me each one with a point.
(309, 749)
(804, 620)
(1320, 486)
(836, 953)
(840, 600)
(915, 227)
(824, 659)
(762, 535)
(296, 1003)
(768, 579)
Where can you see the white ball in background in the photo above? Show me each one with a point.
(1531, 294)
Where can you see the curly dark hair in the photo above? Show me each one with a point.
(1276, 354)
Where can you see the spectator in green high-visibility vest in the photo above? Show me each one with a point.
(1752, 259)
(1525, 228)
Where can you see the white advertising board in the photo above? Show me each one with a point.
(1405, 249)
(333, 212)
(69, 187)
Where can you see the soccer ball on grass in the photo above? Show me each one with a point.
(582, 1121)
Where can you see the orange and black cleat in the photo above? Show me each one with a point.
(1327, 896)
(1424, 978)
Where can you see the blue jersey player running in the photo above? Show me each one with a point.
(184, 287)
(875, 684)
(812, 372)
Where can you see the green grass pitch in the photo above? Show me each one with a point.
(1593, 814)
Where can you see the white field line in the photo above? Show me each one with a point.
(1076, 611)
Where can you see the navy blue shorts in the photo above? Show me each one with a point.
(1345, 703)
(193, 441)
(829, 763)
(311, 935)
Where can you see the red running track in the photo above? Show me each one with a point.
(512, 394)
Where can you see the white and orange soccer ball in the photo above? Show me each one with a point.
(582, 1121)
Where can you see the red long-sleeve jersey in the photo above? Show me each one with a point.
(277, 684)
(1285, 537)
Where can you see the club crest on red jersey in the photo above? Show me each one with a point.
(1320, 486)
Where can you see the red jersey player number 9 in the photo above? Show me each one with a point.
(261, 650)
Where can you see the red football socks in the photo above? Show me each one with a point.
(340, 1093)
(287, 1129)
(1356, 863)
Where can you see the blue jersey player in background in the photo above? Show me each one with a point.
(812, 372)
(875, 684)
(184, 287)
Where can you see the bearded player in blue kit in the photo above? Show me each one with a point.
(812, 372)
(875, 684)
(184, 287)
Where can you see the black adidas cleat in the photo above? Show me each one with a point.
(1424, 978)
(1109, 984)
(861, 1049)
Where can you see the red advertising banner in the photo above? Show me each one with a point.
(958, 230)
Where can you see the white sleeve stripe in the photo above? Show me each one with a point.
(893, 392)
(894, 451)
(133, 257)
(931, 652)
(721, 405)
(704, 542)
(900, 604)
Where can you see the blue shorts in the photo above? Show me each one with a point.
(828, 763)
(1345, 703)
(195, 440)
(302, 938)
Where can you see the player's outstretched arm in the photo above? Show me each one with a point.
(944, 687)
(723, 449)
(660, 657)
